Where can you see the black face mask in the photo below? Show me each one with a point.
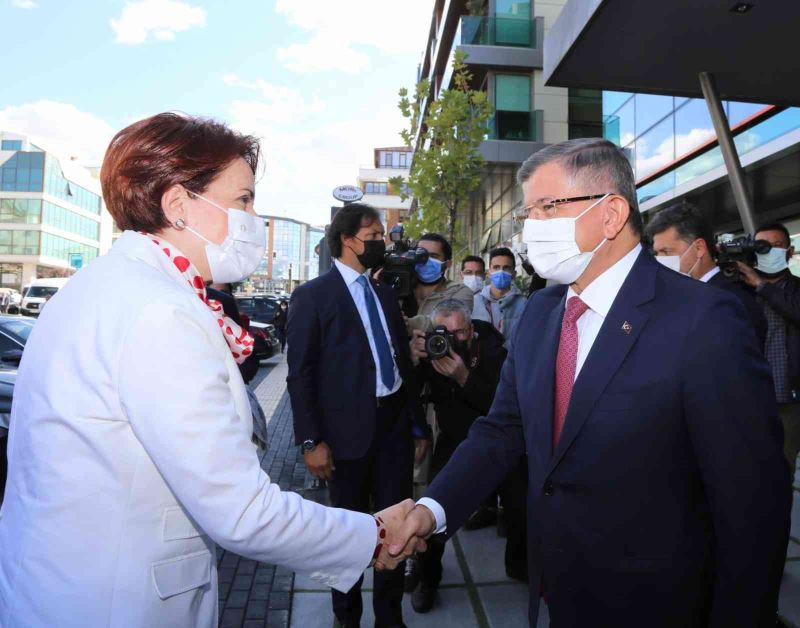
(374, 250)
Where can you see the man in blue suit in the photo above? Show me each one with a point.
(354, 398)
(658, 492)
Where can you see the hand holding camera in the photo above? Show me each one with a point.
(437, 346)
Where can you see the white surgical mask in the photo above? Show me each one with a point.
(772, 262)
(552, 249)
(242, 249)
(673, 262)
(473, 282)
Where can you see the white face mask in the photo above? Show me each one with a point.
(242, 249)
(474, 283)
(673, 262)
(772, 262)
(552, 249)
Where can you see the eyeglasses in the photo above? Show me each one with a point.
(547, 206)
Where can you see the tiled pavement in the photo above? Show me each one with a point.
(474, 592)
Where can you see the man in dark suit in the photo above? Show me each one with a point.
(658, 490)
(351, 383)
(684, 241)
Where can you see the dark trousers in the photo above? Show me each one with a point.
(430, 561)
(513, 497)
(383, 476)
(282, 338)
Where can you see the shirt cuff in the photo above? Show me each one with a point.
(438, 513)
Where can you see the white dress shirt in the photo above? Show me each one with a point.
(350, 277)
(599, 296)
(710, 274)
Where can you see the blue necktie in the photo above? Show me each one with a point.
(381, 343)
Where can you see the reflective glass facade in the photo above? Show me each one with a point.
(19, 242)
(61, 248)
(11, 145)
(58, 186)
(21, 210)
(654, 131)
(67, 220)
(314, 236)
(22, 172)
(286, 247)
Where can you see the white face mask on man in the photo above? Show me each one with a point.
(473, 282)
(673, 262)
(553, 250)
(242, 249)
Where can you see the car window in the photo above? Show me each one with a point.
(41, 291)
(20, 328)
(7, 344)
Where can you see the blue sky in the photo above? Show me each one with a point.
(317, 80)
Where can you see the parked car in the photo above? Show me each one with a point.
(40, 291)
(259, 308)
(266, 340)
(14, 332)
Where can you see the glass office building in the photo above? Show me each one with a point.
(51, 213)
(315, 235)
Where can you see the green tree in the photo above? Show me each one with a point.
(447, 165)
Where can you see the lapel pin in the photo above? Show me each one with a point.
(627, 327)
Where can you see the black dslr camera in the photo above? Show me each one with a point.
(742, 249)
(399, 262)
(438, 342)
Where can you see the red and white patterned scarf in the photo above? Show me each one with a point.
(239, 341)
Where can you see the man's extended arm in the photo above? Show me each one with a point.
(733, 424)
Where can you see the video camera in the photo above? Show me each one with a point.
(438, 342)
(742, 249)
(399, 262)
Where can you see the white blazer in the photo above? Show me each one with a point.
(130, 459)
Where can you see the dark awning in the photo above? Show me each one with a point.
(660, 47)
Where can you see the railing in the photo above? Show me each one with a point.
(519, 126)
(498, 31)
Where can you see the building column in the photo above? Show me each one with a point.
(735, 173)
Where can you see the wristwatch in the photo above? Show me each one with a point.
(308, 445)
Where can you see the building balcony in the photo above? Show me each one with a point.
(518, 126)
(497, 31)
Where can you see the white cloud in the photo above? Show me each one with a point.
(25, 4)
(304, 161)
(280, 105)
(649, 160)
(61, 128)
(161, 18)
(337, 29)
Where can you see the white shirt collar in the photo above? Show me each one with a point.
(600, 294)
(349, 275)
(710, 274)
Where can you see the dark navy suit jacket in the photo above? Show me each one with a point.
(331, 379)
(667, 500)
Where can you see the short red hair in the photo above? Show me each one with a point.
(148, 157)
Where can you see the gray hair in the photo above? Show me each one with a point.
(594, 164)
(452, 306)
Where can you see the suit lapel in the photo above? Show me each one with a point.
(387, 301)
(543, 381)
(619, 333)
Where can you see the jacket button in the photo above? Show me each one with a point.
(548, 488)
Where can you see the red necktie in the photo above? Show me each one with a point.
(565, 364)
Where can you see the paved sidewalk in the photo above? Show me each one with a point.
(474, 592)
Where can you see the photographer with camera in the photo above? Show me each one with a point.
(501, 302)
(779, 293)
(460, 360)
(683, 240)
(432, 287)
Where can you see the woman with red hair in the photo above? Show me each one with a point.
(130, 453)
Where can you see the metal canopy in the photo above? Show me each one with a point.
(660, 47)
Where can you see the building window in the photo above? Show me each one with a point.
(395, 159)
(374, 187)
(19, 242)
(11, 145)
(61, 248)
(67, 220)
(58, 186)
(21, 210)
(22, 173)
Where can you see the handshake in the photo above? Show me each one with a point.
(402, 532)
